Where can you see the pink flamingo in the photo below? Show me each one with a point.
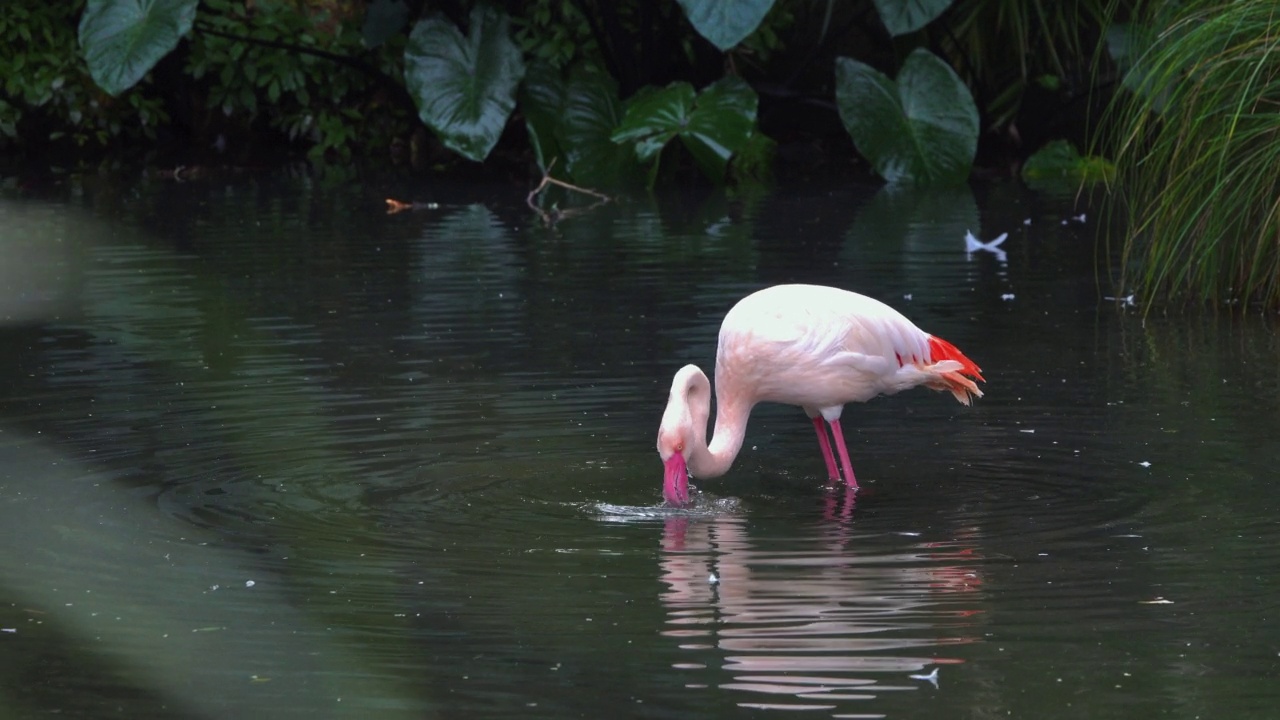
(807, 345)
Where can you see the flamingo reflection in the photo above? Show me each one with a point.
(814, 622)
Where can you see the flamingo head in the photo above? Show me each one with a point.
(683, 428)
(675, 477)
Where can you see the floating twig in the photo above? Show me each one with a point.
(555, 215)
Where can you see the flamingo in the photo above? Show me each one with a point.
(808, 345)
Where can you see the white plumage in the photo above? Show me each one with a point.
(808, 345)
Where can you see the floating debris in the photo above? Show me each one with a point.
(973, 244)
(931, 677)
(713, 579)
(1159, 600)
(1144, 463)
(395, 206)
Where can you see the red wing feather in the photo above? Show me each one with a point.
(940, 349)
(955, 381)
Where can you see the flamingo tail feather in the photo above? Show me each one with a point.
(954, 371)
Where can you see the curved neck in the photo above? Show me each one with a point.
(731, 428)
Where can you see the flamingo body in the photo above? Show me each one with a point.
(808, 345)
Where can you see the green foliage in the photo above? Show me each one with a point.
(464, 86)
(1001, 47)
(122, 41)
(266, 63)
(1126, 44)
(725, 23)
(905, 16)
(1059, 160)
(712, 125)
(592, 110)
(1198, 147)
(571, 123)
(336, 75)
(554, 32)
(383, 21)
(542, 102)
(922, 129)
(753, 163)
(47, 92)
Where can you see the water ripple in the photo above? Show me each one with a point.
(433, 432)
(813, 620)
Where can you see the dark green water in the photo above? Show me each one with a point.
(266, 451)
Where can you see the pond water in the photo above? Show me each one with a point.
(268, 451)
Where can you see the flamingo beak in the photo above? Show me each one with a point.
(675, 481)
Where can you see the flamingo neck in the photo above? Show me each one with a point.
(731, 427)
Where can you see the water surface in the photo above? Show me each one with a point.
(268, 451)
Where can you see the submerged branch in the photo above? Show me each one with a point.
(556, 214)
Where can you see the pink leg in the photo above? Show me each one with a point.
(849, 479)
(833, 510)
(833, 473)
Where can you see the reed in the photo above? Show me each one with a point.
(1197, 146)
(1001, 47)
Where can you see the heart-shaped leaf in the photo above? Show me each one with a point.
(573, 121)
(922, 129)
(542, 104)
(592, 111)
(653, 116)
(904, 16)
(123, 39)
(713, 125)
(721, 125)
(464, 86)
(725, 23)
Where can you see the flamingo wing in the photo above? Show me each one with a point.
(821, 347)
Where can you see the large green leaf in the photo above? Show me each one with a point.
(592, 111)
(542, 104)
(922, 129)
(653, 117)
(572, 122)
(725, 22)
(123, 39)
(713, 125)
(721, 124)
(904, 16)
(464, 86)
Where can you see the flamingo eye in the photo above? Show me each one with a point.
(680, 447)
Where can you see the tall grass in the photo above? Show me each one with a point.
(1000, 47)
(1198, 152)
